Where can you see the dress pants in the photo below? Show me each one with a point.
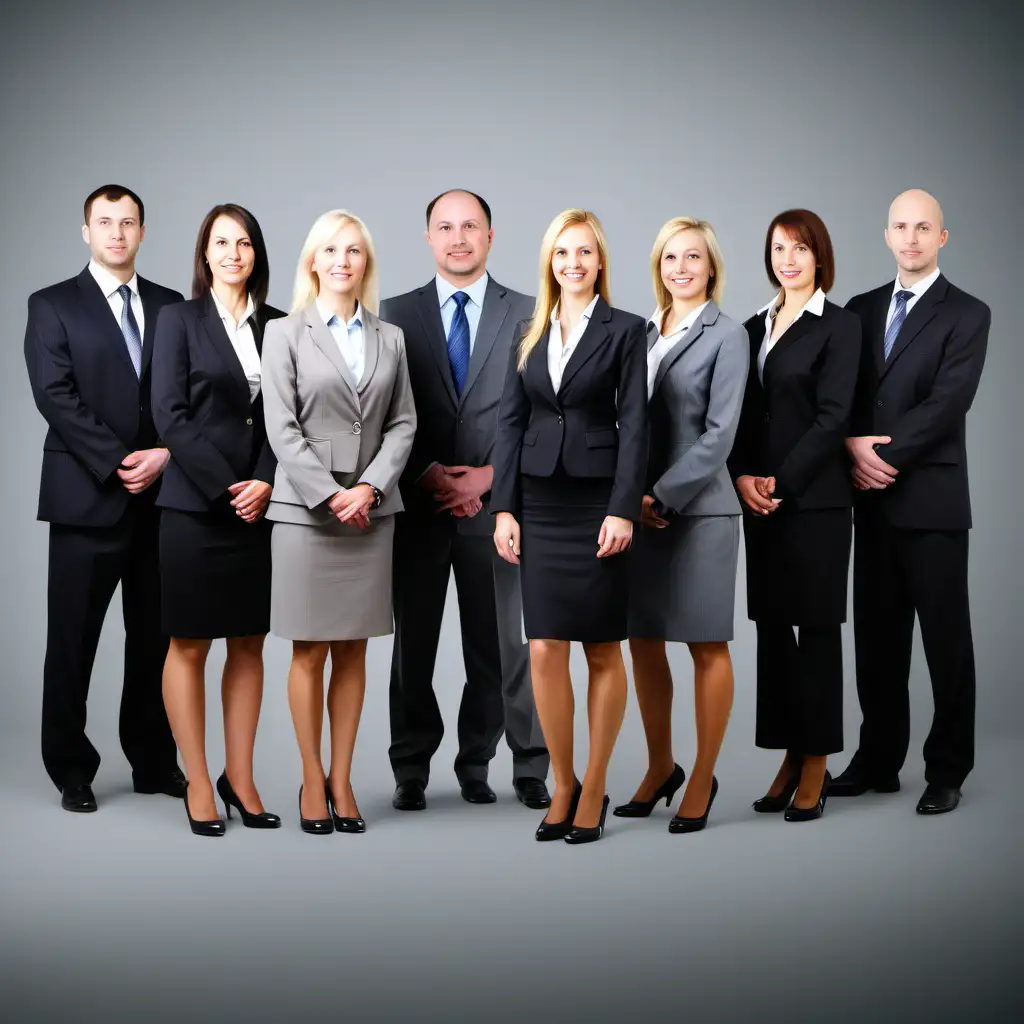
(898, 572)
(86, 565)
(497, 695)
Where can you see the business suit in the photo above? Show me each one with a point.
(457, 429)
(563, 462)
(683, 577)
(215, 567)
(98, 412)
(792, 426)
(911, 538)
(332, 581)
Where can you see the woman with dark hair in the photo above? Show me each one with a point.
(214, 540)
(793, 477)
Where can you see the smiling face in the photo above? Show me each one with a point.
(686, 266)
(340, 263)
(459, 236)
(915, 233)
(575, 260)
(792, 261)
(114, 233)
(229, 252)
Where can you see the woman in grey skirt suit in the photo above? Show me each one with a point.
(683, 573)
(340, 418)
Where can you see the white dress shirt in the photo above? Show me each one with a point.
(109, 285)
(242, 341)
(660, 348)
(348, 336)
(815, 304)
(918, 289)
(474, 307)
(559, 354)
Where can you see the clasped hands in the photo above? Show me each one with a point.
(870, 472)
(249, 498)
(138, 470)
(757, 493)
(458, 489)
(352, 505)
(615, 536)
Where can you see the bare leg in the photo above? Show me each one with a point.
(653, 680)
(552, 693)
(185, 701)
(344, 707)
(306, 700)
(812, 778)
(242, 695)
(606, 707)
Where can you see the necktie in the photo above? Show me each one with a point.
(898, 316)
(458, 342)
(130, 329)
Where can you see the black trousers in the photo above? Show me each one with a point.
(896, 573)
(497, 696)
(800, 688)
(86, 565)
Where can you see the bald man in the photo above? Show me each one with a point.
(924, 349)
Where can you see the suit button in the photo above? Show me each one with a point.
(559, 419)
(767, 418)
(879, 403)
(248, 422)
(356, 427)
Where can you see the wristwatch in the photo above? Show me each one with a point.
(378, 496)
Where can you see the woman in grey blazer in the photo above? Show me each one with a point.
(683, 573)
(340, 418)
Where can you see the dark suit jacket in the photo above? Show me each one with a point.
(794, 426)
(596, 426)
(201, 406)
(919, 397)
(454, 429)
(85, 386)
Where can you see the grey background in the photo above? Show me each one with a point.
(639, 111)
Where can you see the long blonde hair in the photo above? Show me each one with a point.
(716, 283)
(549, 291)
(325, 227)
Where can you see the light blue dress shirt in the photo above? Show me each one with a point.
(349, 337)
(474, 307)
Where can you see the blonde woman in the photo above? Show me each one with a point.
(568, 485)
(685, 554)
(340, 418)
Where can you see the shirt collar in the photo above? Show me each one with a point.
(326, 315)
(476, 291)
(658, 318)
(108, 283)
(587, 313)
(250, 308)
(920, 288)
(815, 304)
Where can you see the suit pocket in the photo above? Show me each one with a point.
(530, 437)
(344, 453)
(321, 448)
(601, 438)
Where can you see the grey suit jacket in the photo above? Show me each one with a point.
(327, 430)
(694, 412)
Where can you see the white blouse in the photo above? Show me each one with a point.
(242, 341)
(660, 348)
(559, 354)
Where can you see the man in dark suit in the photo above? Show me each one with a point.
(458, 332)
(88, 346)
(923, 353)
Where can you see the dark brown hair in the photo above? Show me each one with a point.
(809, 228)
(480, 199)
(113, 193)
(259, 280)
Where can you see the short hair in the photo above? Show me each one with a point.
(325, 227)
(113, 193)
(809, 228)
(480, 199)
(716, 283)
(202, 276)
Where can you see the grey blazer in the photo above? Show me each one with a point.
(694, 411)
(327, 430)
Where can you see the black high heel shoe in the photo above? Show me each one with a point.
(677, 824)
(315, 826)
(775, 804)
(350, 825)
(249, 820)
(642, 808)
(810, 813)
(579, 835)
(551, 830)
(207, 827)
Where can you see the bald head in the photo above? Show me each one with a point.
(915, 234)
(916, 204)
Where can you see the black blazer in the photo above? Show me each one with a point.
(85, 386)
(596, 426)
(201, 406)
(794, 426)
(919, 397)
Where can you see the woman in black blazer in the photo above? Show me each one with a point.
(214, 541)
(793, 476)
(569, 468)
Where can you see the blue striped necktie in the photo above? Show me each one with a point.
(130, 329)
(458, 342)
(898, 316)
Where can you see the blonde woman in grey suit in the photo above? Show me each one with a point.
(683, 573)
(340, 418)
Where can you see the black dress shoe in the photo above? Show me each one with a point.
(409, 796)
(249, 820)
(816, 811)
(171, 783)
(350, 825)
(855, 782)
(547, 831)
(578, 835)
(78, 797)
(774, 804)
(205, 827)
(642, 808)
(476, 791)
(938, 799)
(678, 824)
(315, 826)
(532, 792)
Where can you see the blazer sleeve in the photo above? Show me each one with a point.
(513, 416)
(863, 395)
(704, 459)
(266, 465)
(952, 393)
(398, 431)
(631, 463)
(191, 449)
(742, 459)
(306, 473)
(837, 379)
(55, 390)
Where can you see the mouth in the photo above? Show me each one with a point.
(340, 275)
(573, 275)
(911, 252)
(790, 274)
(460, 254)
(682, 282)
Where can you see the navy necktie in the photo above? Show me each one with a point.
(898, 316)
(458, 342)
(130, 329)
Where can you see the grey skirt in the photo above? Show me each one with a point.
(331, 581)
(683, 580)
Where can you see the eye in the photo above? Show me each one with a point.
(354, 249)
(559, 252)
(329, 249)
(669, 257)
(924, 227)
(443, 227)
(246, 243)
(584, 252)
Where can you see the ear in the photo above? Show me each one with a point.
(943, 238)
(85, 233)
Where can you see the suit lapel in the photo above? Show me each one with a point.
(492, 316)
(433, 330)
(101, 314)
(796, 330)
(708, 316)
(537, 368)
(593, 336)
(917, 320)
(213, 327)
(150, 309)
(371, 348)
(324, 340)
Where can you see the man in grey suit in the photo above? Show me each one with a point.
(458, 333)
